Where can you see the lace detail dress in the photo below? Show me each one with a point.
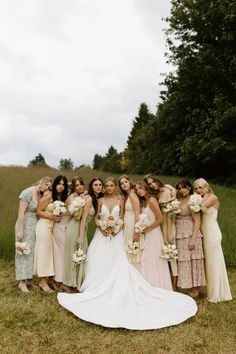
(190, 263)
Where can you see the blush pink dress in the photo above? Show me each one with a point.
(154, 268)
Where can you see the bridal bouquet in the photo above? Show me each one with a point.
(79, 257)
(170, 252)
(58, 207)
(173, 208)
(110, 224)
(22, 247)
(143, 222)
(133, 248)
(76, 207)
(196, 203)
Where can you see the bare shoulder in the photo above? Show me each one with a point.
(153, 201)
(212, 198)
(133, 195)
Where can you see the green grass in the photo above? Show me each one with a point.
(35, 323)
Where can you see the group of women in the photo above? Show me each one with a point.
(116, 287)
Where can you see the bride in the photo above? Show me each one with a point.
(114, 294)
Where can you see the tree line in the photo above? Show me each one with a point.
(193, 131)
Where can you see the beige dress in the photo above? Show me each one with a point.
(163, 200)
(43, 258)
(217, 280)
(59, 234)
(129, 222)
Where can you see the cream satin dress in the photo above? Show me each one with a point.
(217, 280)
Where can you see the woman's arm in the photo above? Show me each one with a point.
(196, 227)
(136, 208)
(43, 203)
(154, 206)
(122, 207)
(85, 213)
(211, 200)
(20, 220)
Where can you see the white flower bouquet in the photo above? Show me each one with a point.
(76, 208)
(170, 252)
(110, 224)
(79, 257)
(143, 222)
(173, 208)
(58, 207)
(196, 203)
(22, 247)
(133, 248)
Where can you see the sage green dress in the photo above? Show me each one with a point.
(24, 263)
(74, 274)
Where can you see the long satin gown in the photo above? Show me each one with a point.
(154, 268)
(116, 295)
(216, 275)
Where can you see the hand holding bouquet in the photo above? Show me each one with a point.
(76, 208)
(133, 248)
(143, 222)
(173, 208)
(58, 207)
(195, 203)
(22, 247)
(170, 252)
(110, 225)
(79, 257)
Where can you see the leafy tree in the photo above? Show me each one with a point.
(97, 162)
(38, 161)
(196, 120)
(111, 161)
(66, 164)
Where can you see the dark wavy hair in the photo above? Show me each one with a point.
(64, 194)
(185, 183)
(144, 185)
(92, 194)
(73, 183)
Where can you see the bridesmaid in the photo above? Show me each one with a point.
(154, 268)
(59, 192)
(76, 234)
(43, 262)
(25, 229)
(189, 243)
(164, 194)
(217, 280)
(132, 211)
(70, 276)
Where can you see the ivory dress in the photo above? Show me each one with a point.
(165, 198)
(24, 263)
(154, 268)
(59, 234)
(116, 295)
(217, 280)
(129, 222)
(43, 259)
(190, 263)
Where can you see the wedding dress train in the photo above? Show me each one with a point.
(114, 294)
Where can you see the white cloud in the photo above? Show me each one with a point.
(73, 74)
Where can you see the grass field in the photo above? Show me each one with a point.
(35, 323)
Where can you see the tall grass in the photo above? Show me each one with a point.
(14, 179)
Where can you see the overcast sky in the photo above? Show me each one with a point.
(73, 74)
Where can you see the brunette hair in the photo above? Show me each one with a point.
(64, 194)
(92, 194)
(73, 183)
(185, 183)
(154, 178)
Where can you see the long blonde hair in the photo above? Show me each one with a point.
(43, 180)
(204, 184)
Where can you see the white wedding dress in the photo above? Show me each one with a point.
(114, 294)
